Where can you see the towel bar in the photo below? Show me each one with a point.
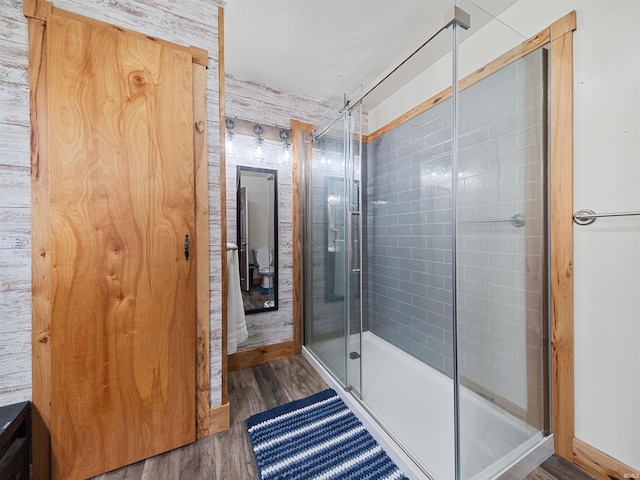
(518, 220)
(587, 217)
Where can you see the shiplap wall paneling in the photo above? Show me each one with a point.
(15, 206)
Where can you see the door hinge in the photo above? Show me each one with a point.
(187, 244)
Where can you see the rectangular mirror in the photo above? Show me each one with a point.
(257, 233)
(336, 221)
(334, 239)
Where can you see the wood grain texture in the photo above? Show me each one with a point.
(257, 356)
(563, 25)
(557, 468)
(203, 374)
(36, 9)
(167, 19)
(121, 203)
(298, 130)
(228, 455)
(99, 23)
(223, 204)
(40, 254)
(561, 275)
(303, 126)
(15, 142)
(599, 464)
(219, 418)
(15, 201)
(249, 99)
(201, 57)
(195, 25)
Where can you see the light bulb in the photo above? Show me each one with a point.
(229, 125)
(229, 144)
(257, 153)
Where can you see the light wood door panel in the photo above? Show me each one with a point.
(121, 203)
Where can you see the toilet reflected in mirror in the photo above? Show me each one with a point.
(257, 237)
(263, 261)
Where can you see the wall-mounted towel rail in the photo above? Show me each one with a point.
(518, 220)
(231, 246)
(587, 217)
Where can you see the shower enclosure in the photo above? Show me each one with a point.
(425, 240)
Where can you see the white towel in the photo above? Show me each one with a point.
(236, 322)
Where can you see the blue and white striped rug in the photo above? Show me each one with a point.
(317, 437)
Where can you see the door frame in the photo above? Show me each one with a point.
(37, 13)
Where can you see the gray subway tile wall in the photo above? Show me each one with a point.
(408, 235)
(408, 274)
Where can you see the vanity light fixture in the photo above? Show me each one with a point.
(258, 154)
(229, 124)
(286, 147)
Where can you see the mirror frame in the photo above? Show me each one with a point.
(239, 170)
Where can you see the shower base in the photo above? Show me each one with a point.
(408, 407)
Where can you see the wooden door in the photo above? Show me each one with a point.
(121, 176)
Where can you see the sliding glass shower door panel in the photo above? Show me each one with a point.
(326, 251)
(352, 169)
(408, 353)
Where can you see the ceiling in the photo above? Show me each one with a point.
(326, 48)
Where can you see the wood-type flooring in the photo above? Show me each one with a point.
(253, 300)
(228, 455)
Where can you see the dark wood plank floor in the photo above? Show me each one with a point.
(253, 299)
(228, 455)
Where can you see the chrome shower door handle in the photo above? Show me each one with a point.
(352, 268)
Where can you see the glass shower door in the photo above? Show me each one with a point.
(502, 265)
(332, 285)
(354, 270)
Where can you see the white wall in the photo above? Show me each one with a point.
(606, 175)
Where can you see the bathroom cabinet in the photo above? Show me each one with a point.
(14, 441)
